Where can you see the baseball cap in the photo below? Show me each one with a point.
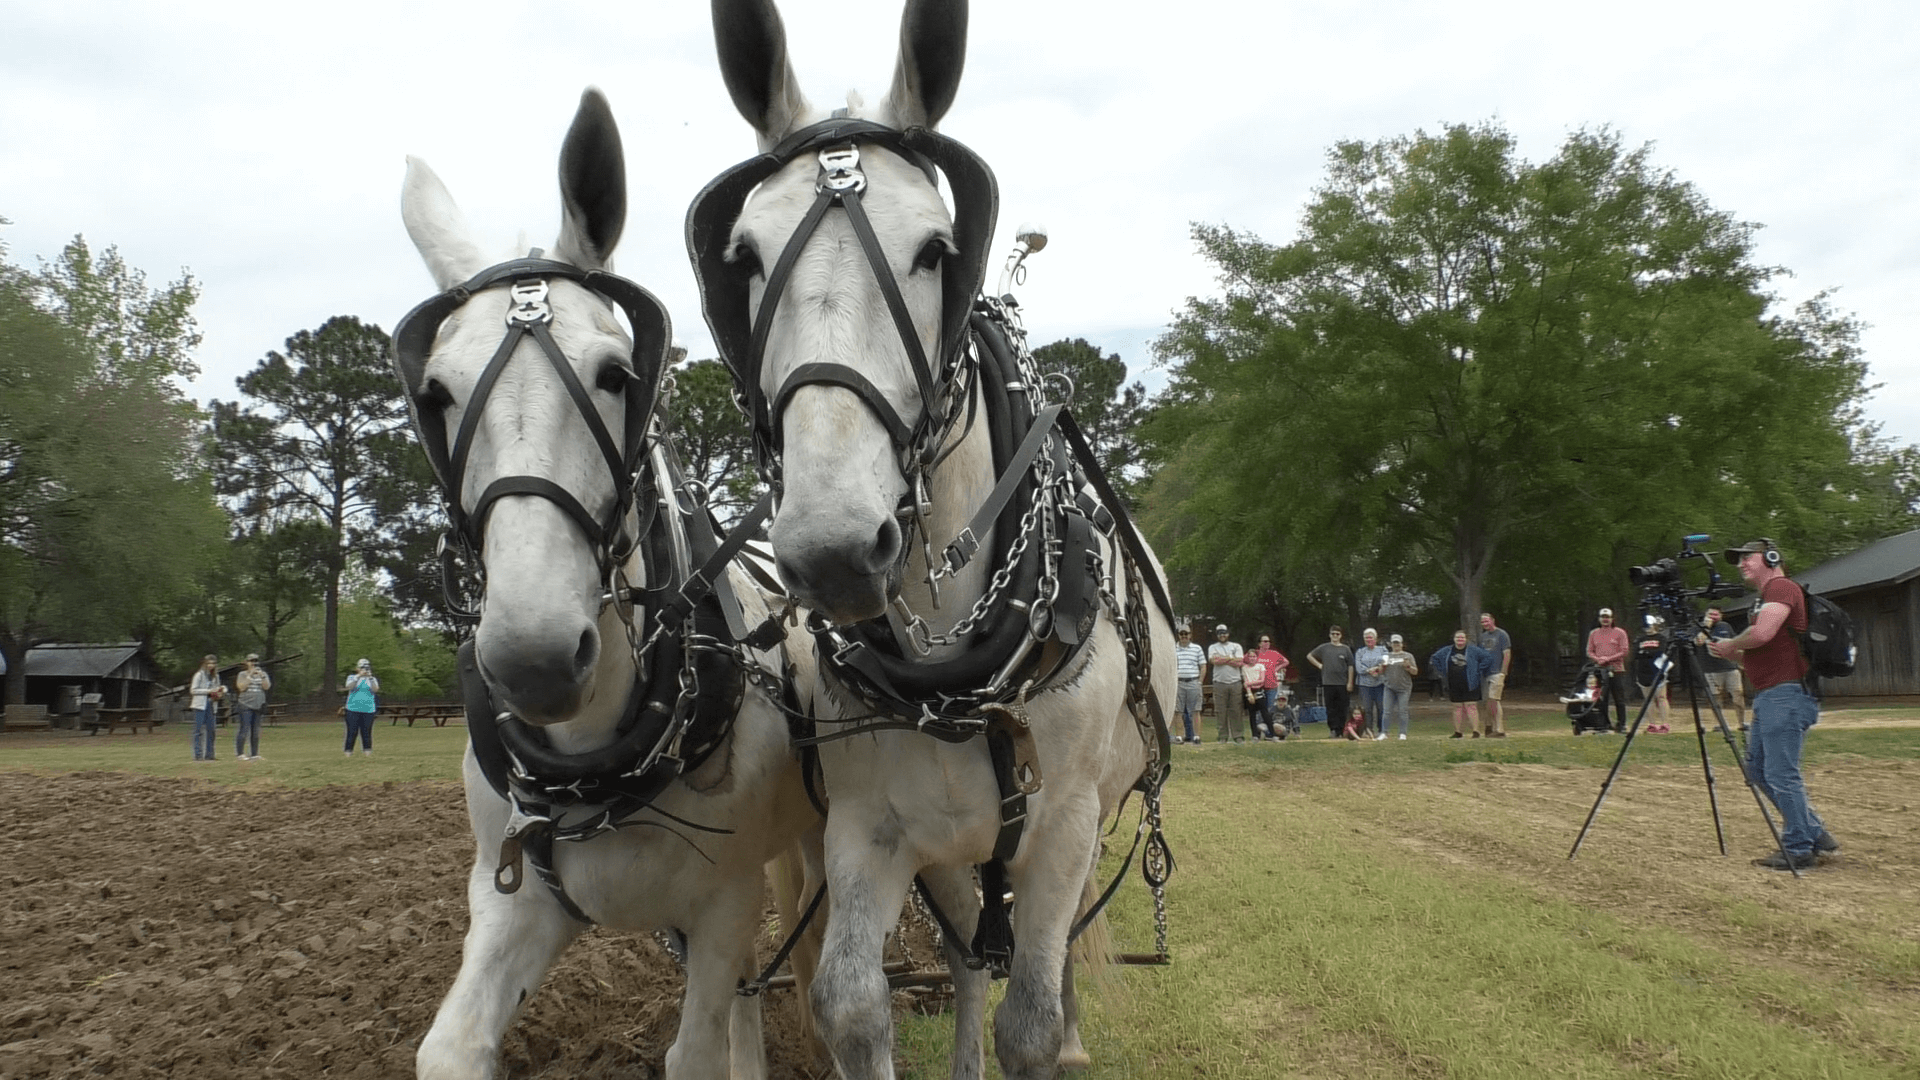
(254, 656)
(1221, 629)
(363, 662)
(1735, 554)
(1396, 640)
(1607, 611)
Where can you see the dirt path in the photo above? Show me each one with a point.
(167, 928)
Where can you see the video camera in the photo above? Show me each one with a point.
(1663, 590)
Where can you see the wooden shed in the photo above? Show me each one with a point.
(1879, 586)
(121, 673)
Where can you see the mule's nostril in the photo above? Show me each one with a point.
(886, 544)
(583, 657)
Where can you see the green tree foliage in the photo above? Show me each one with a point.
(106, 517)
(715, 442)
(323, 438)
(1469, 368)
(1107, 407)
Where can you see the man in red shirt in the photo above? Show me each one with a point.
(1607, 648)
(1783, 710)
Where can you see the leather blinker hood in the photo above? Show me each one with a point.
(723, 289)
(413, 341)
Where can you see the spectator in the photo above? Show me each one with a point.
(1500, 644)
(1607, 648)
(1266, 669)
(1783, 710)
(1229, 710)
(1648, 662)
(1367, 679)
(1723, 676)
(206, 691)
(1187, 658)
(1356, 728)
(1463, 667)
(252, 684)
(361, 706)
(1397, 675)
(1335, 662)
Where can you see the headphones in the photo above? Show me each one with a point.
(1772, 555)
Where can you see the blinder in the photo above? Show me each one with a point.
(726, 298)
(530, 316)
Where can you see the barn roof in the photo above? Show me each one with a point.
(1883, 562)
(79, 661)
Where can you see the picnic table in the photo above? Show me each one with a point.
(25, 718)
(437, 711)
(112, 720)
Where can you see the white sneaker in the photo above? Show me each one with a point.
(1403, 736)
(1380, 737)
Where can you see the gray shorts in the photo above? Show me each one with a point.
(1186, 700)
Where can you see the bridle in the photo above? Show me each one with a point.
(841, 183)
(530, 315)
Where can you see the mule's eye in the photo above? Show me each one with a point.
(613, 377)
(931, 253)
(745, 260)
(432, 397)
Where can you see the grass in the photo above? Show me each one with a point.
(295, 755)
(1404, 909)
(1394, 909)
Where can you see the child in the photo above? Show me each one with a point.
(1357, 725)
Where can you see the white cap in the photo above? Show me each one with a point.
(1221, 629)
(1607, 611)
(1396, 640)
(363, 662)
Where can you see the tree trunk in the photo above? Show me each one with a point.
(330, 679)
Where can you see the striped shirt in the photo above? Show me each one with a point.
(1187, 661)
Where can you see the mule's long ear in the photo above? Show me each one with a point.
(438, 229)
(933, 50)
(752, 43)
(593, 185)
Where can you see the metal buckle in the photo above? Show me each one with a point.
(840, 170)
(529, 303)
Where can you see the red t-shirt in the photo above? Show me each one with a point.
(1779, 661)
(1274, 661)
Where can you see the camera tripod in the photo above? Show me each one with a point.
(1683, 654)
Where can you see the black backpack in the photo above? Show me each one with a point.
(1828, 643)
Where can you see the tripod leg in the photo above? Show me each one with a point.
(1693, 674)
(1607, 784)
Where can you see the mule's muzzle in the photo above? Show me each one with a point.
(848, 577)
(544, 679)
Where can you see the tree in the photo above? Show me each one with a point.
(1108, 414)
(327, 443)
(1469, 361)
(713, 437)
(106, 516)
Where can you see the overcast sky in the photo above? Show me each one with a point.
(262, 147)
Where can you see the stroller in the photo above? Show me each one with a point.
(1587, 702)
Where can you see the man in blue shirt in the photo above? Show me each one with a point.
(1500, 646)
(1723, 676)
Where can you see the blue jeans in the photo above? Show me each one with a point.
(1372, 704)
(1781, 716)
(203, 732)
(1187, 702)
(246, 727)
(360, 724)
(1396, 705)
